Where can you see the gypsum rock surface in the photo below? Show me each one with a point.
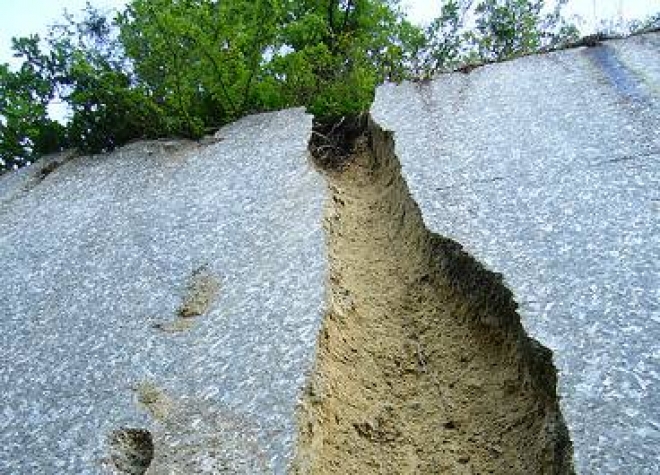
(547, 168)
(422, 363)
(169, 291)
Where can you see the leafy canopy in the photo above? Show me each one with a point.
(184, 67)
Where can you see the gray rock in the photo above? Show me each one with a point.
(97, 262)
(545, 168)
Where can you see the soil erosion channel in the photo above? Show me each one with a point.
(422, 364)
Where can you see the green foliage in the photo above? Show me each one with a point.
(95, 80)
(106, 110)
(499, 29)
(201, 60)
(183, 67)
(331, 55)
(26, 131)
(506, 28)
(443, 47)
(214, 61)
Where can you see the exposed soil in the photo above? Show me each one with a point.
(422, 364)
(131, 451)
(202, 290)
(201, 293)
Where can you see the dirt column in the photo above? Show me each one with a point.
(422, 364)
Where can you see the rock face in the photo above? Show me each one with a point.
(422, 364)
(168, 287)
(160, 305)
(547, 169)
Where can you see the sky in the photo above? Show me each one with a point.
(591, 11)
(24, 17)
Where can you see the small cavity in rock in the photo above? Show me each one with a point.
(131, 450)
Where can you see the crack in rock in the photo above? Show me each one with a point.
(422, 365)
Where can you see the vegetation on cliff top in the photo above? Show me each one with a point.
(185, 67)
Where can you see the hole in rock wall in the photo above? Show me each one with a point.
(131, 450)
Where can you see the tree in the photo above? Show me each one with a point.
(211, 62)
(444, 36)
(200, 59)
(183, 67)
(332, 54)
(507, 28)
(80, 65)
(26, 131)
(469, 31)
(95, 80)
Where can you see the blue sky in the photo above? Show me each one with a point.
(23, 17)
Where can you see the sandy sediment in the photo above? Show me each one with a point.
(422, 363)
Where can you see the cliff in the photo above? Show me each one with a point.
(176, 307)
